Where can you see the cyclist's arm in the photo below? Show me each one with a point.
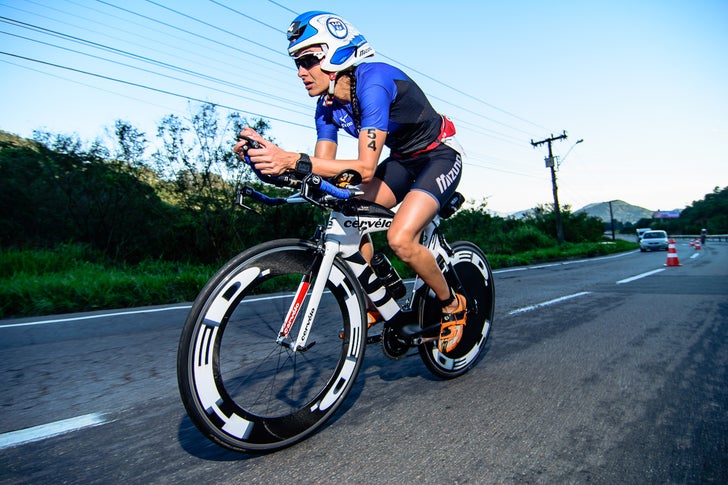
(325, 149)
(271, 160)
(371, 143)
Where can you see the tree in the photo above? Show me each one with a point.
(201, 174)
(132, 144)
(577, 227)
(58, 191)
(711, 213)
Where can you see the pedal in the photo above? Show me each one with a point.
(412, 331)
(409, 331)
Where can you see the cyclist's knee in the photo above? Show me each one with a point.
(403, 246)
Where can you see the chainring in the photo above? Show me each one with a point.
(392, 345)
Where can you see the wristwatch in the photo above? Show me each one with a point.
(303, 166)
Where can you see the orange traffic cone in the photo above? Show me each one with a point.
(672, 259)
(692, 243)
(698, 245)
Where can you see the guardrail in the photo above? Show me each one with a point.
(711, 238)
(633, 238)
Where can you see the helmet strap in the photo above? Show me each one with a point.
(332, 83)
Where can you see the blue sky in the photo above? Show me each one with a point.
(643, 83)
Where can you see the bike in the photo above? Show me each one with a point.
(274, 341)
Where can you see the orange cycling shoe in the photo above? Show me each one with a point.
(373, 317)
(452, 325)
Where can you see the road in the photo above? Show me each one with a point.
(608, 370)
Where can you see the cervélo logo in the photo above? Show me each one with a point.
(366, 224)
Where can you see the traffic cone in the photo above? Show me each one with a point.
(672, 259)
(697, 244)
(692, 243)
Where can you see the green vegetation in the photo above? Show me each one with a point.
(118, 223)
(70, 279)
(710, 213)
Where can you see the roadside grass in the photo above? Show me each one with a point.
(71, 278)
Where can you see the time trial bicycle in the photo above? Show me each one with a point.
(275, 340)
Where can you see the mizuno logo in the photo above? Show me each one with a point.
(446, 179)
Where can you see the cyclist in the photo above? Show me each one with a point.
(379, 105)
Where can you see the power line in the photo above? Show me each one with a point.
(115, 93)
(248, 17)
(471, 161)
(273, 28)
(466, 94)
(283, 7)
(267, 96)
(176, 46)
(194, 34)
(142, 86)
(502, 137)
(469, 96)
(276, 51)
(157, 42)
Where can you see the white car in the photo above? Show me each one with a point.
(654, 241)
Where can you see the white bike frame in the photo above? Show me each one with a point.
(342, 236)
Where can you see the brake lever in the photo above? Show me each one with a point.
(240, 197)
(250, 143)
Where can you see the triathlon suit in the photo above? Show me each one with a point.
(417, 136)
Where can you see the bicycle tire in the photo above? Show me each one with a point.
(475, 276)
(242, 389)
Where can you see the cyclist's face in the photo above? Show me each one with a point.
(314, 79)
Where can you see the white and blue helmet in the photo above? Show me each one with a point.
(342, 42)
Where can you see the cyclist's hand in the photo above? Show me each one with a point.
(244, 144)
(269, 159)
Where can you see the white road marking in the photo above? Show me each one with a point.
(643, 275)
(37, 433)
(547, 303)
(562, 263)
(130, 312)
(89, 317)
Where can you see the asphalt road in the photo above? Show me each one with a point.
(590, 377)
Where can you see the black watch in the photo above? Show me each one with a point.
(303, 166)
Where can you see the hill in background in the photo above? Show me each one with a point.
(621, 210)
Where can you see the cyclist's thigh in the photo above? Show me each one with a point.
(441, 174)
(378, 191)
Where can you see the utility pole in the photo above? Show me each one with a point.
(551, 163)
(611, 218)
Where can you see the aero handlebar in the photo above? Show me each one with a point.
(310, 181)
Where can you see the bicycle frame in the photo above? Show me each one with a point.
(342, 237)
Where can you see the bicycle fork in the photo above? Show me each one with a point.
(301, 345)
(372, 286)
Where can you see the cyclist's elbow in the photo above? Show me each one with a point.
(367, 174)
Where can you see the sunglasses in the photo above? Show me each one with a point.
(309, 59)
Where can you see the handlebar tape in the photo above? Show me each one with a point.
(333, 190)
(262, 198)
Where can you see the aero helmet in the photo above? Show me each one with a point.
(343, 44)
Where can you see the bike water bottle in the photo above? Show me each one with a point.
(388, 276)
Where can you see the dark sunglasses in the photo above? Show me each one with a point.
(309, 59)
